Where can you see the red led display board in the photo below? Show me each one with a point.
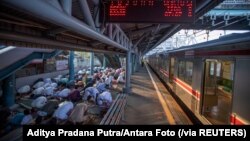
(148, 11)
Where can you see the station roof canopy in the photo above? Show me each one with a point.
(74, 25)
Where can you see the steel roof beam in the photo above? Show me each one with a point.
(148, 29)
(67, 6)
(202, 5)
(55, 16)
(43, 41)
(87, 17)
(166, 36)
(141, 38)
(55, 4)
(223, 12)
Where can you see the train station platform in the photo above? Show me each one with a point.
(150, 103)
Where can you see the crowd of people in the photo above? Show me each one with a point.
(62, 101)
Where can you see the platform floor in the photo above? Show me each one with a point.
(150, 103)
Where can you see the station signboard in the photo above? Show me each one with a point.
(148, 11)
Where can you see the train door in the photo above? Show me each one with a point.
(171, 70)
(217, 91)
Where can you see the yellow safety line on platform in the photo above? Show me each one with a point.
(162, 101)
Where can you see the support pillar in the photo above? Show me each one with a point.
(71, 65)
(136, 62)
(132, 63)
(134, 68)
(92, 57)
(67, 7)
(9, 91)
(104, 63)
(128, 71)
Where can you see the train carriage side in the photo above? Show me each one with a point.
(212, 79)
(162, 67)
(184, 75)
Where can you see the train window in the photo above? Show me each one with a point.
(166, 64)
(211, 68)
(171, 70)
(218, 69)
(185, 71)
(189, 72)
(227, 71)
(181, 70)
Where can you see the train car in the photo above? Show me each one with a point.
(212, 79)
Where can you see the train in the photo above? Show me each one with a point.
(211, 79)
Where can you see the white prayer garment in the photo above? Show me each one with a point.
(24, 89)
(39, 102)
(104, 97)
(63, 109)
(90, 91)
(64, 93)
(38, 91)
(27, 120)
(38, 84)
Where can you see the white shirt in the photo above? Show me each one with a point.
(104, 76)
(27, 120)
(104, 97)
(108, 80)
(64, 93)
(53, 85)
(63, 109)
(38, 84)
(39, 102)
(49, 90)
(122, 73)
(38, 91)
(101, 87)
(24, 89)
(46, 85)
(48, 80)
(120, 79)
(90, 91)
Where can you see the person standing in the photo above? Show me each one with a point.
(142, 63)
